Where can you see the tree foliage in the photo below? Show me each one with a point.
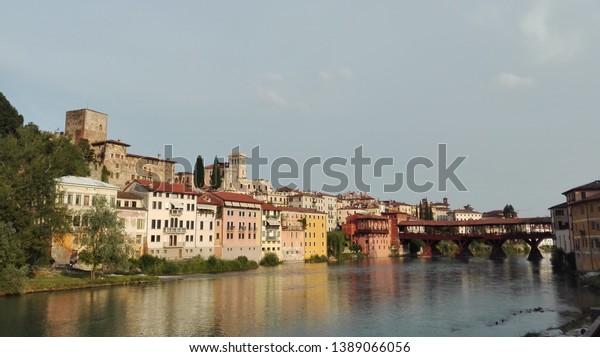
(199, 172)
(105, 243)
(468, 207)
(30, 162)
(10, 119)
(509, 211)
(336, 242)
(215, 177)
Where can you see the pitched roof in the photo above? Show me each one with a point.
(115, 142)
(464, 211)
(592, 186)
(298, 209)
(128, 195)
(269, 207)
(84, 181)
(157, 186)
(235, 197)
(560, 205)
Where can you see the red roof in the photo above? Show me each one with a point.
(236, 197)
(270, 207)
(156, 186)
(464, 211)
(304, 210)
(209, 199)
(128, 195)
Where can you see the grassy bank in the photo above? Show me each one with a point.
(55, 280)
(593, 282)
(156, 266)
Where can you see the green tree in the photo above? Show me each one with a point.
(509, 211)
(12, 274)
(215, 178)
(468, 207)
(10, 119)
(199, 172)
(105, 243)
(336, 241)
(30, 163)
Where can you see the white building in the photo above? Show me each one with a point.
(171, 218)
(560, 225)
(134, 218)
(78, 194)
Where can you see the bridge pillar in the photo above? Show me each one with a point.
(431, 249)
(497, 251)
(534, 253)
(463, 248)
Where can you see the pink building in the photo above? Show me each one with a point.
(240, 224)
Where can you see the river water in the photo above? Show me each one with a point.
(376, 297)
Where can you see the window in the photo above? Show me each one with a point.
(78, 200)
(210, 225)
(141, 224)
(154, 205)
(201, 225)
(210, 238)
(70, 199)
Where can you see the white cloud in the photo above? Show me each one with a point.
(544, 39)
(510, 80)
(273, 78)
(271, 97)
(343, 74)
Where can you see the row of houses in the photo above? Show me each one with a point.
(576, 225)
(173, 222)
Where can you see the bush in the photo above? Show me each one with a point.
(270, 259)
(159, 266)
(13, 279)
(317, 259)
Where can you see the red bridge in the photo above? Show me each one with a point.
(493, 232)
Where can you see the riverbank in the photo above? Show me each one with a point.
(45, 280)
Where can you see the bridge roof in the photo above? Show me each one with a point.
(477, 222)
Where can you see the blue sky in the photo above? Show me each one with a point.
(511, 84)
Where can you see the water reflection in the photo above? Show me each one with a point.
(379, 297)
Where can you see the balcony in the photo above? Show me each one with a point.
(174, 230)
(178, 244)
(176, 211)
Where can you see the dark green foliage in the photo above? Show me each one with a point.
(13, 279)
(105, 243)
(159, 266)
(509, 212)
(215, 177)
(10, 119)
(30, 162)
(468, 207)
(415, 246)
(317, 259)
(336, 242)
(104, 174)
(562, 261)
(199, 172)
(270, 259)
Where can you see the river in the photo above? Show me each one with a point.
(376, 297)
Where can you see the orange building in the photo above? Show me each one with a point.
(372, 233)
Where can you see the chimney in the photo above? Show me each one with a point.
(446, 201)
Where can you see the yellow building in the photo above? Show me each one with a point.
(584, 224)
(314, 224)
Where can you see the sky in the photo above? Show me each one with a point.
(513, 86)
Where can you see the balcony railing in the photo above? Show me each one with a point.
(178, 244)
(176, 211)
(174, 230)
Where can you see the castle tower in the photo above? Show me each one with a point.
(86, 124)
(237, 162)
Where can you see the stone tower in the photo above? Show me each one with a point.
(237, 163)
(86, 124)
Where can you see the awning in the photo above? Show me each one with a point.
(272, 222)
(177, 205)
